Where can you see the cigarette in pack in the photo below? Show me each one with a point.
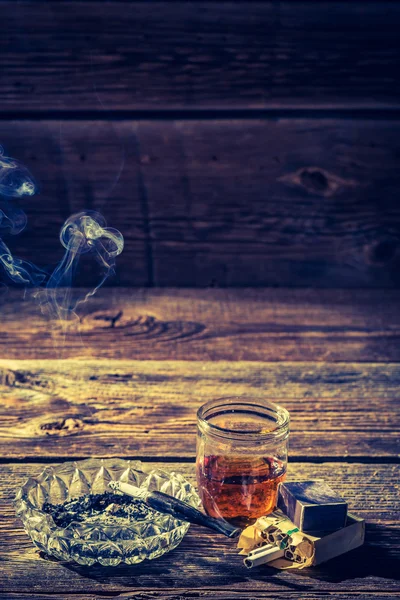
(263, 555)
(292, 554)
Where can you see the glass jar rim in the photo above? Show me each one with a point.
(280, 430)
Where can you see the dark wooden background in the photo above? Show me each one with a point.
(232, 143)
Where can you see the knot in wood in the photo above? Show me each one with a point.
(152, 328)
(382, 251)
(318, 181)
(10, 378)
(315, 180)
(142, 326)
(64, 426)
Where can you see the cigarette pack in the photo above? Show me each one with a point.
(301, 549)
(312, 506)
(334, 544)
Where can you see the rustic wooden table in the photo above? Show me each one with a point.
(129, 385)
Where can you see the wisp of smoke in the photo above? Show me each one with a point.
(82, 233)
(15, 179)
(15, 182)
(20, 271)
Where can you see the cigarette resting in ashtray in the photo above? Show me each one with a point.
(175, 507)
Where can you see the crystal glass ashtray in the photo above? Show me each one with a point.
(89, 543)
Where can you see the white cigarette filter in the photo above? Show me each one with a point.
(263, 555)
(130, 490)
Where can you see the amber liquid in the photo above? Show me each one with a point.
(239, 489)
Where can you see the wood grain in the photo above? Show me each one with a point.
(210, 594)
(142, 55)
(295, 202)
(225, 324)
(210, 566)
(283, 208)
(60, 408)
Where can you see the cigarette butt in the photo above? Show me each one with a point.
(263, 555)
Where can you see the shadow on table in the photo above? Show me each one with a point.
(185, 566)
(374, 559)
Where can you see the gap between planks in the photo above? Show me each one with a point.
(183, 594)
(247, 114)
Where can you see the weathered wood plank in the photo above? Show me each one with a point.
(250, 324)
(125, 408)
(142, 55)
(184, 594)
(202, 563)
(299, 202)
(209, 594)
(277, 206)
(212, 564)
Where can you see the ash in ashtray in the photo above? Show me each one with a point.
(106, 509)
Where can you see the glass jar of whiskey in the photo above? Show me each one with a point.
(242, 446)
